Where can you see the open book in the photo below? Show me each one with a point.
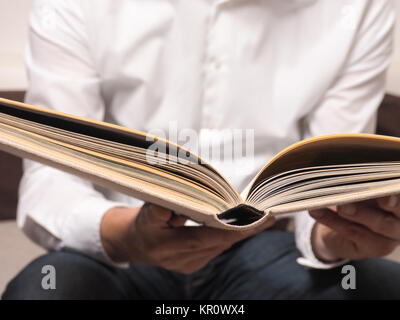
(314, 173)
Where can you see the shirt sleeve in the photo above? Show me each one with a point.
(351, 103)
(56, 209)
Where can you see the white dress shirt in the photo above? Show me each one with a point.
(289, 69)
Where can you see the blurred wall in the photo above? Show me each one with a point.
(13, 30)
(13, 22)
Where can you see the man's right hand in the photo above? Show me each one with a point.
(154, 235)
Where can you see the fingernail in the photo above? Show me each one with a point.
(318, 213)
(348, 209)
(392, 202)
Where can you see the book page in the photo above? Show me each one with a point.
(128, 147)
(331, 150)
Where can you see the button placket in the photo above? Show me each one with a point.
(212, 69)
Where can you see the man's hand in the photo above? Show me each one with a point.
(154, 235)
(368, 229)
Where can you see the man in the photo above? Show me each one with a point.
(287, 69)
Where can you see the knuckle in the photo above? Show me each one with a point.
(381, 202)
(386, 223)
(390, 203)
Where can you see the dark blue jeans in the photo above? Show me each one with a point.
(262, 267)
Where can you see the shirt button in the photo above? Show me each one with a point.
(217, 64)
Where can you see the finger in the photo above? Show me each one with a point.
(233, 236)
(329, 246)
(367, 241)
(390, 204)
(177, 221)
(375, 219)
(155, 216)
(194, 238)
(188, 240)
